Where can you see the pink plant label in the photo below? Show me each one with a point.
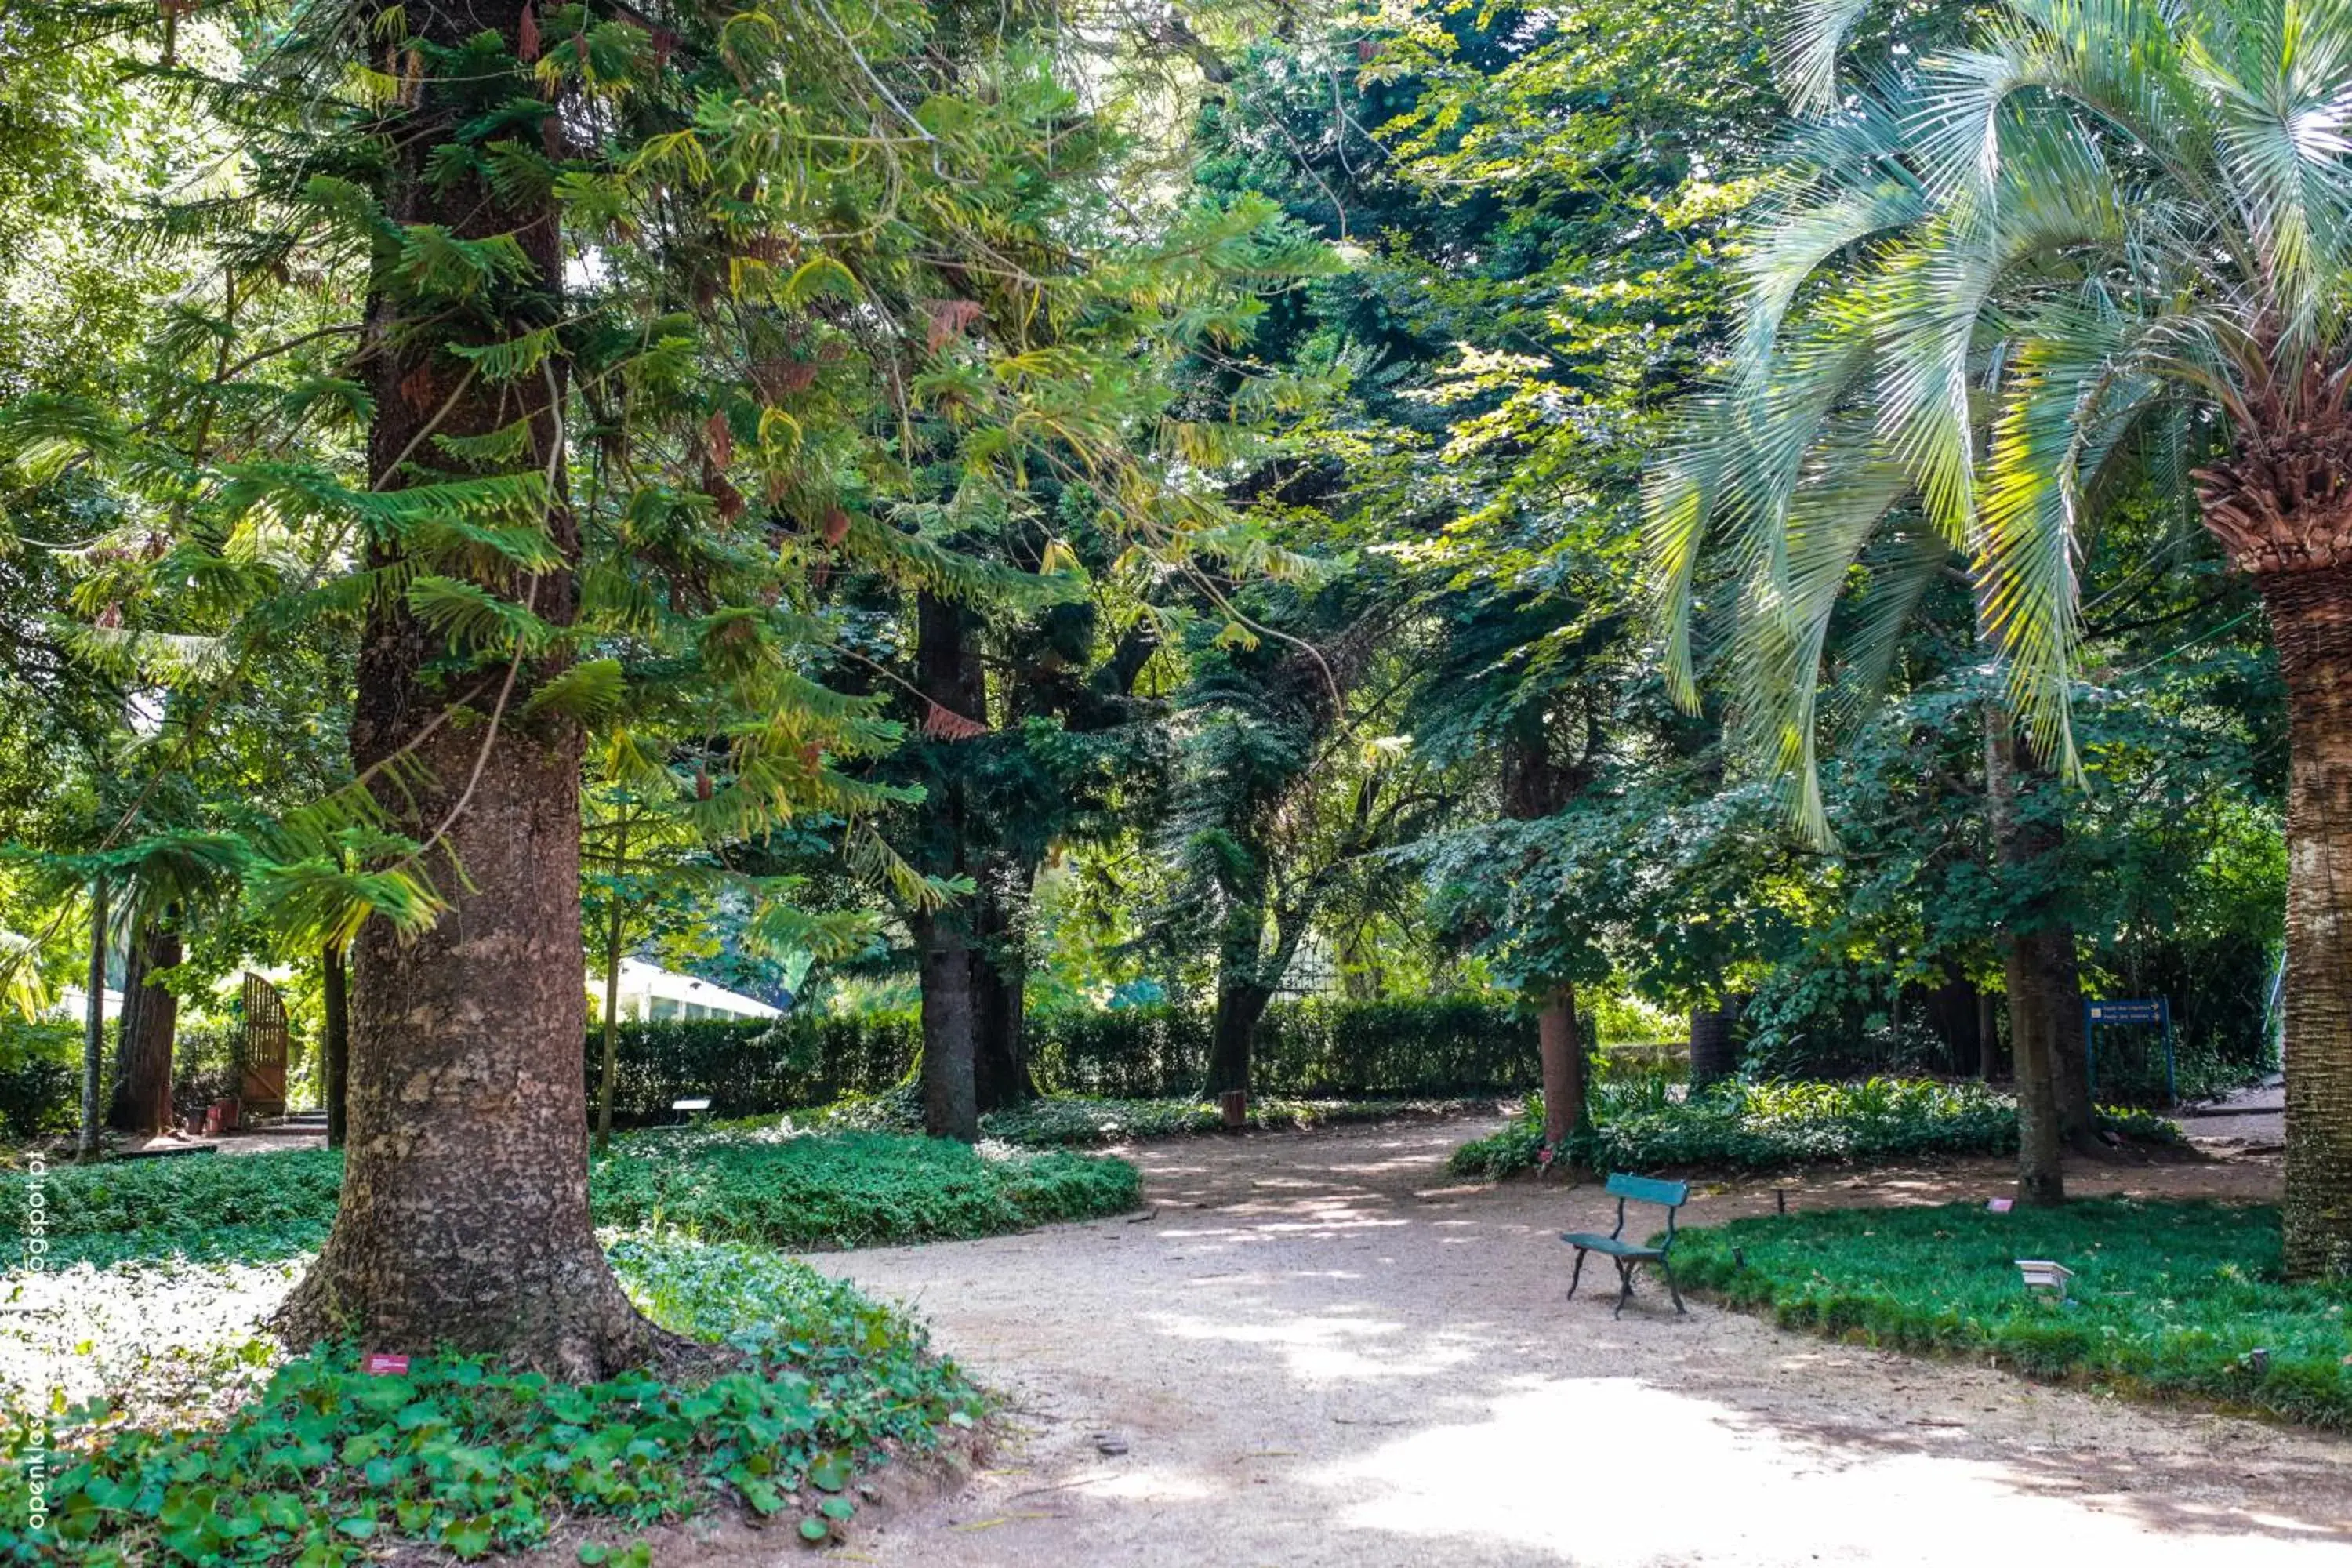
(381, 1365)
(1999, 1205)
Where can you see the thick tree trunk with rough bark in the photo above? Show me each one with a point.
(335, 1042)
(463, 1219)
(1559, 1043)
(2311, 617)
(2033, 1036)
(142, 1101)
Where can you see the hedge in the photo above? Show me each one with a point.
(40, 1076)
(1443, 1047)
(749, 1066)
(1440, 1049)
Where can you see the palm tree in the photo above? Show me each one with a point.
(2095, 236)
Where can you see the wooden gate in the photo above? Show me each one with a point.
(261, 1050)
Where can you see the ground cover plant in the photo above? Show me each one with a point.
(325, 1464)
(769, 1186)
(2171, 1298)
(848, 1189)
(1741, 1126)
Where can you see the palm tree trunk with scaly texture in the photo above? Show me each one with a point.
(2310, 616)
(2282, 507)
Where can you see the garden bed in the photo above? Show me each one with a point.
(245, 1457)
(1741, 1126)
(192, 1438)
(766, 1186)
(2176, 1297)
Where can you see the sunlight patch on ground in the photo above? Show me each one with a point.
(1616, 1471)
(170, 1344)
(1326, 1347)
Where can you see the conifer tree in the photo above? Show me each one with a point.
(671, 314)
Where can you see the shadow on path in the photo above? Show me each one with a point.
(1319, 1349)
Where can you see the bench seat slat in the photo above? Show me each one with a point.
(1610, 1244)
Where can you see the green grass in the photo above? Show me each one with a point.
(331, 1466)
(1071, 1121)
(1741, 1126)
(2170, 1299)
(799, 1193)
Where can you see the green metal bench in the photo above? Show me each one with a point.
(1668, 1195)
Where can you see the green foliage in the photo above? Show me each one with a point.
(1060, 1121)
(845, 1190)
(1741, 1126)
(1436, 1049)
(746, 1067)
(767, 1186)
(333, 1466)
(2168, 1298)
(189, 1196)
(40, 1076)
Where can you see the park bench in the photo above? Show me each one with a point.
(1629, 1256)
(695, 1112)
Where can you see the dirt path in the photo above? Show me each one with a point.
(1318, 1352)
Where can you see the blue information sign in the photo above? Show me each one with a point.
(2097, 1016)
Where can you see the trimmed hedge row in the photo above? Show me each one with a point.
(1444, 1047)
(749, 1066)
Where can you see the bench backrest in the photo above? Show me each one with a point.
(1645, 1190)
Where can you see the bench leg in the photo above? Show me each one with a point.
(1666, 1267)
(1577, 1275)
(1625, 1267)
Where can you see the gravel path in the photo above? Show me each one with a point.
(1316, 1351)
(2249, 1118)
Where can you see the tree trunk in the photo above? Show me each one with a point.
(2032, 1035)
(141, 1103)
(951, 679)
(2311, 617)
(335, 1044)
(1952, 1011)
(999, 981)
(1988, 1037)
(2041, 1178)
(1233, 1036)
(951, 1089)
(609, 1075)
(126, 1022)
(1535, 785)
(1246, 975)
(93, 1024)
(1559, 1041)
(463, 1219)
(2060, 971)
(1713, 1044)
